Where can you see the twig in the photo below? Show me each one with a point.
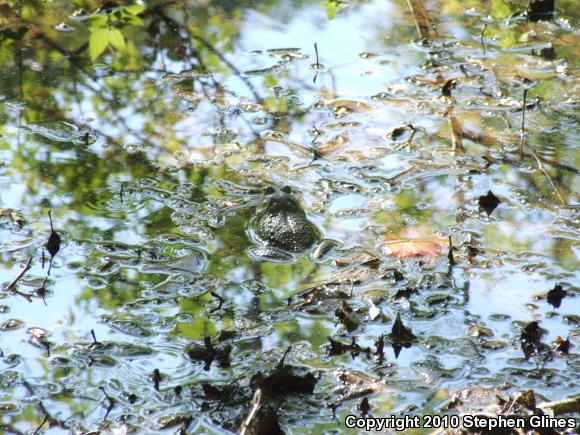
(316, 51)
(10, 429)
(95, 341)
(565, 406)
(256, 403)
(541, 166)
(49, 418)
(450, 254)
(421, 18)
(235, 70)
(22, 272)
(41, 424)
(111, 402)
(317, 64)
(456, 130)
(481, 37)
(281, 363)
(220, 299)
(522, 130)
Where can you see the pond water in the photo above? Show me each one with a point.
(152, 131)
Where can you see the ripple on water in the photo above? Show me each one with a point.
(117, 202)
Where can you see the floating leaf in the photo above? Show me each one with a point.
(356, 384)
(530, 339)
(402, 133)
(364, 406)
(347, 317)
(488, 202)
(208, 353)
(342, 107)
(156, 377)
(338, 348)
(284, 380)
(556, 295)
(400, 333)
(448, 86)
(412, 248)
(563, 345)
(53, 244)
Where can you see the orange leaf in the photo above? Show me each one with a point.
(413, 248)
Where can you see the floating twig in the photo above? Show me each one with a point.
(541, 167)
(27, 266)
(317, 64)
(111, 402)
(481, 37)
(220, 299)
(48, 417)
(53, 244)
(565, 406)
(41, 424)
(456, 131)
(421, 18)
(450, 254)
(42, 291)
(156, 378)
(95, 341)
(522, 130)
(281, 363)
(256, 403)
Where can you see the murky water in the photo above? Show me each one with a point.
(155, 156)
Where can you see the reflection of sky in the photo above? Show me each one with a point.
(340, 41)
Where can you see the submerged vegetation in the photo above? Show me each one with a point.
(263, 217)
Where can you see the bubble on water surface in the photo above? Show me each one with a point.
(11, 325)
(63, 27)
(79, 15)
(9, 408)
(58, 131)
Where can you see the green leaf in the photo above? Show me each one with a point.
(134, 9)
(98, 42)
(117, 39)
(98, 21)
(500, 9)
(331, 8)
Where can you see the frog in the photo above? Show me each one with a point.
(282, 229)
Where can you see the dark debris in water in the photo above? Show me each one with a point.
(400, 333)
(556, 295)
(285, 380)
(338, 348)
(208, 353)
(488, 202)
(53, 243)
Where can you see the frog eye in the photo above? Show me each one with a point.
(269, 190)
(286, 189)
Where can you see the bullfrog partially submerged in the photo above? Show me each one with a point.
(281, 226)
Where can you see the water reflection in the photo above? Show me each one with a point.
(151, 151)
